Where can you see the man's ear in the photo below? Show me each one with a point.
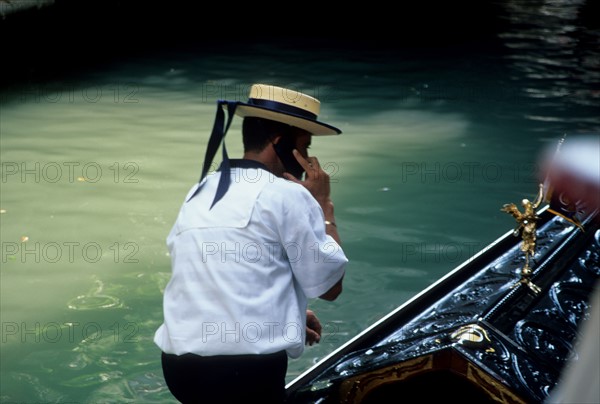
(276, 139)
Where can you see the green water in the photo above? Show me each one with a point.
(95, 167)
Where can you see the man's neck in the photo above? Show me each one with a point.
(269, 160)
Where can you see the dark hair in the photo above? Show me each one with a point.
(258, 132)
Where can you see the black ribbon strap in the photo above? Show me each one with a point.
(216, 138)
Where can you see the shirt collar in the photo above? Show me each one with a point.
(246, 163)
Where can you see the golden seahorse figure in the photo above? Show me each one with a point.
(527, 226)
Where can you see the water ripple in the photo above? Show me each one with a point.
(95, 299)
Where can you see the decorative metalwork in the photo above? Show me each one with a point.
(527, 227)
(471, 333)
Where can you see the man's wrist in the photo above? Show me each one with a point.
(327, 207)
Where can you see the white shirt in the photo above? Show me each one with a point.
(242, 271)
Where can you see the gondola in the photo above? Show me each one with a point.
(500, 327)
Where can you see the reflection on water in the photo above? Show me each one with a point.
(94, 168)
(556, 61)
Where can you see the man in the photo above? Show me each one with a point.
(252, 242)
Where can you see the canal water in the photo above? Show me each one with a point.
(95, 165)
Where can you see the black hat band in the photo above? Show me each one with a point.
(281, 107)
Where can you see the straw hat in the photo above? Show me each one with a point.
(268, 102)
(287, 106)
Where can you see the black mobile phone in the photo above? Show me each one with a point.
(284, 149)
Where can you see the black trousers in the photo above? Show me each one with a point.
(226, 378)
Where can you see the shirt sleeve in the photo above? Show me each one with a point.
(317, 260)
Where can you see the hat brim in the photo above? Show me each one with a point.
(313, 127)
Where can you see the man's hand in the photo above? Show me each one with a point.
(316, 180)
(313, 328)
